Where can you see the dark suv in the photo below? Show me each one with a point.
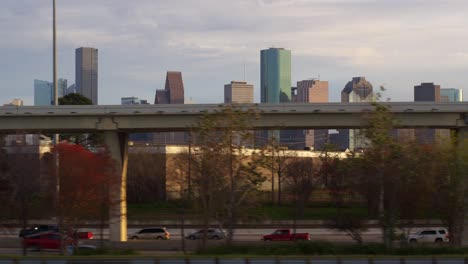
(211, 233)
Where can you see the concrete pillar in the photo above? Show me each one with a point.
(117, 144)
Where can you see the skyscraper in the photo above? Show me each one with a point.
(62, 87)
(451, 95)
(86, 73)
(275, 87)
(275, 75)
(356, 90)
(43, 93)
(313, 91)
(427, 92)
(173, 92)
(238, 92)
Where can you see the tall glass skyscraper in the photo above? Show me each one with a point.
(86, 73)
(275, 87)
(43, 93)
(275, 76)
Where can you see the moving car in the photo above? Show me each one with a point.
(51, 241)
(151, 233)
(38, 229)
(437, 235)
(211, 233)
(285, 235)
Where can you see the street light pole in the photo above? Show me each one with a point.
(54, 57)
(56, 136)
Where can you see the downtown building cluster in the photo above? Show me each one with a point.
(276, 87)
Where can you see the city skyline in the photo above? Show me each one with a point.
(138, 43)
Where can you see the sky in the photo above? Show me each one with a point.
(393, 43)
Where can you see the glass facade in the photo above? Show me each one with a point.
(452, 94)
(275, 76)
(43, 93)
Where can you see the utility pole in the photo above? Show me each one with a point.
(54, 57)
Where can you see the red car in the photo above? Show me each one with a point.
(286, 235)
(51, 241)
(47, 240)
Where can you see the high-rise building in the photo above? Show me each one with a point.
(313, 91)
(238, 92)
(427, 92)
(173, 92)
(71, 89)
(61, 87)
(275, 87)
(275, 82)
(43, 93)
(356, 90)
(451, 95)
(129, 100)
(86, 73)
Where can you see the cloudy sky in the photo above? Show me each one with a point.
(395, 43)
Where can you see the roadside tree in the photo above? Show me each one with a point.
(80, 185)
(223, 177)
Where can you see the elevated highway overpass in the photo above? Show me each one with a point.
(142, 118)
(116, 122)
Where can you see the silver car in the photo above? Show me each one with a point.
(437, 235)
(151, 233)
(211, 233)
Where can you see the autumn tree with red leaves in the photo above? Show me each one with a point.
(80, 184)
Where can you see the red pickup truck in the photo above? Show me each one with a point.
(286, 235)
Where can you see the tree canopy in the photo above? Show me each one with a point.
(75, 99)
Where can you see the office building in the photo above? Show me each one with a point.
(129, 100)
(43, 93)
(313, 91)
(275, 75)
(86, 73)
(61, 87)
(136, 137)
(275, 87)
(451, 95)
(71, 89)
(173, 92)
(426, 92)
(355, 91)
(238, 93)
(14, 102)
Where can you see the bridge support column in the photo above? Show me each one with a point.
(117, 144)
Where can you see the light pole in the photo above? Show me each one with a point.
(56, 136)
(54, 57)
